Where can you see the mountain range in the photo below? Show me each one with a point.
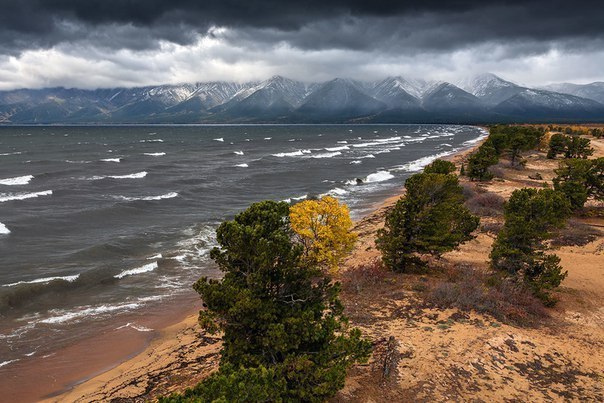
(481, 98)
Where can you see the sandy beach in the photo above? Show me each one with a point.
(440, 353)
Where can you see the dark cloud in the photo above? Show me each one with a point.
(311, 24)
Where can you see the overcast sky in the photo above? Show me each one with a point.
(112, 43)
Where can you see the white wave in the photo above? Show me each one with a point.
(17, 181)
(143, 269)
(152, 141)
(409, 137)
(70, 279)
(476, 140)
(368, 156)
(267, 138)
(77, 162)
(303, 197)
(420, 163)
(3, 363)
(15, 153)
(326, 155)
(238, 152)
(135, 327)
(242, 165)
(4, 197)
(111, 159)
(292, 154)
(220, 139)
(337, 192)
(158, 256)
(355, 162)
(170, 195)
(337, 148)
(379, 176)
(4, 230)
(137, 175)
(155, 154)
(91, 311)
(342, 142)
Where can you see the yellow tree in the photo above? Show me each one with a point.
(324, 228)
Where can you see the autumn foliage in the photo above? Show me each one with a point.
(323, 227)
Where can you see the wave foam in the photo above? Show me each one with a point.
(220, 139)
(135, 327)
(379, 176)
(170, 195)
(111, 160)
(355, 162)
(292, 154)
(337, 148)
(420, 163)
(69, 279)
(242, 165)
(143, 269)
(3, 363)
(137, 175)
(15, 153)
(238, 152)
(17, 181)
(154, 154)
(4, 230)
(4, 197)
(88, 311)
(326, 155)
(152, 141)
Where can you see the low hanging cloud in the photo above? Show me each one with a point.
(112, 43)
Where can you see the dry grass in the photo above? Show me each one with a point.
(474, 290)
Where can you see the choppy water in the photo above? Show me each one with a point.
(99, 221)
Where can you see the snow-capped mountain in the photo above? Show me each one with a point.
(481, 98)
(489, 88)
(594, 91)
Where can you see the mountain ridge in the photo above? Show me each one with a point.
(481, 98)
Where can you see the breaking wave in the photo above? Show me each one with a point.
(4, 197)
(17, 181)
(143, 269)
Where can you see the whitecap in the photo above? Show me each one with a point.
(242, 165)
(137, 175)
(342, 142)
(379, 176)
(326, 155)
(78, 162)
(135, 327)
(91, 311)
(170, 195)
(337, 148)
(368, 156)
(152, 141)
(111, 159)
(420, 163)
(17, 181)
(158, 256)
(292, 154)
(4, 197)
(267, 138)
(69, 279)
(355, 162)
(238, 152)
(154, 154)
(289, 200)
(143, 269)
(15, 153)
(220, 139)
(3, 363)
(4, 230)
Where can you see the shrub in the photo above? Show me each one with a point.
(530, 215)
(429, 219)
(580, 179)
(486, 204)
(284, 334)
(440, 167)
(471, 289)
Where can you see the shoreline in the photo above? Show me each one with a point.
(179, 355)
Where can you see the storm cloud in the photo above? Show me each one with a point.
(137, 42)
